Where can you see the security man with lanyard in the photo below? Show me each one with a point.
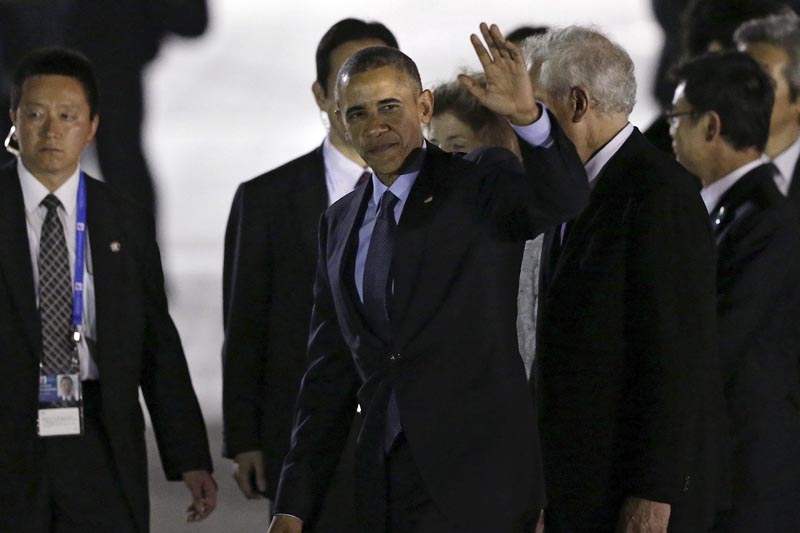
(82, 298)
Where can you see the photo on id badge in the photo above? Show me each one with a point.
(60, 390)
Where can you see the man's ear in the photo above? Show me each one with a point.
(580, 103)
(93, 131)
(425, 104)
(319, 96)
(713, 125)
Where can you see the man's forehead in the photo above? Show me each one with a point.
(377, 84)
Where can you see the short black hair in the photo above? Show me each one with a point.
(709, 21)
(376, 57)
(56, 61)
(735, 86)
(518, 35)
(345, 31)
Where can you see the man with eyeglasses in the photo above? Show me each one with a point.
(720, 126)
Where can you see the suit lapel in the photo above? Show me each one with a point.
(728, 208)
(309, 199)
(108, 248)
(15, 256)
(342, 256)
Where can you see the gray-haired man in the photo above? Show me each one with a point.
(775, 43)
(628, 375)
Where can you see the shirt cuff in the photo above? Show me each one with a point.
(538, 133)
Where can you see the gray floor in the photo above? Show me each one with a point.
(226, 107)
(168, 501)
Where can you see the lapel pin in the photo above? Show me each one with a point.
(115, 246)
(427, 200)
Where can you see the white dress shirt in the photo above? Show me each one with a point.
(714, 192)
(785, 163)
(33, 192)
(341, 174)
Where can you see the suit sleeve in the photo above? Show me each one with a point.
(325, 406)
(551, 188)
(671, 324)
(246, 297)
(166, 384)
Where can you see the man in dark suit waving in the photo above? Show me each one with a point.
(268, 275)
(722, 121)
(629, 383)
(415, 308)
(82, 294)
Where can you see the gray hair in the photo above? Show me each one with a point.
(782, 31)
(578, 56)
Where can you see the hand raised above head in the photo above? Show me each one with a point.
(508, 90)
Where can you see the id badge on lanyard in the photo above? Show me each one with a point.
(60, 395)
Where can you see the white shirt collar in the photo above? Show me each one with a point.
(598, 161)
(33, 191)
(786, 162)
(342, 171)
(712, 194)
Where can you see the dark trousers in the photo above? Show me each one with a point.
(80, 490)
(409, 506)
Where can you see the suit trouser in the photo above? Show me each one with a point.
(80, 489)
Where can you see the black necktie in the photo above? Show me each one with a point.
(55, 293)
(377, 268)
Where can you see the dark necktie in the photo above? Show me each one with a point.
(377, 268)
(362, 179)
(55, 293)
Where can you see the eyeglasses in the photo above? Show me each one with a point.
(672, 116)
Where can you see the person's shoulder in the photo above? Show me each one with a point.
(288, 173)
(116, 201)
(653, 171)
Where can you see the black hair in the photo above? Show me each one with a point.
(709, 21)
(344, 31)
(56, 61)
(380, 56)
(735, 86)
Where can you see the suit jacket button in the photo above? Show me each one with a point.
(686, 481)
(394, 357)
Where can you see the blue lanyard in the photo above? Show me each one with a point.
(80, 253)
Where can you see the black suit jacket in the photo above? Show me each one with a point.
(268, 274)
(454, 362)
(629, 377)
(759, 311)
(137, 347)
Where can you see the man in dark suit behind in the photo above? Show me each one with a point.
(628, 382)
(125, 340)
(268, 275)
(722, 119)
(775, 43)
(416, 319)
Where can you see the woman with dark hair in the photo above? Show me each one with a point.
(460, 123)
